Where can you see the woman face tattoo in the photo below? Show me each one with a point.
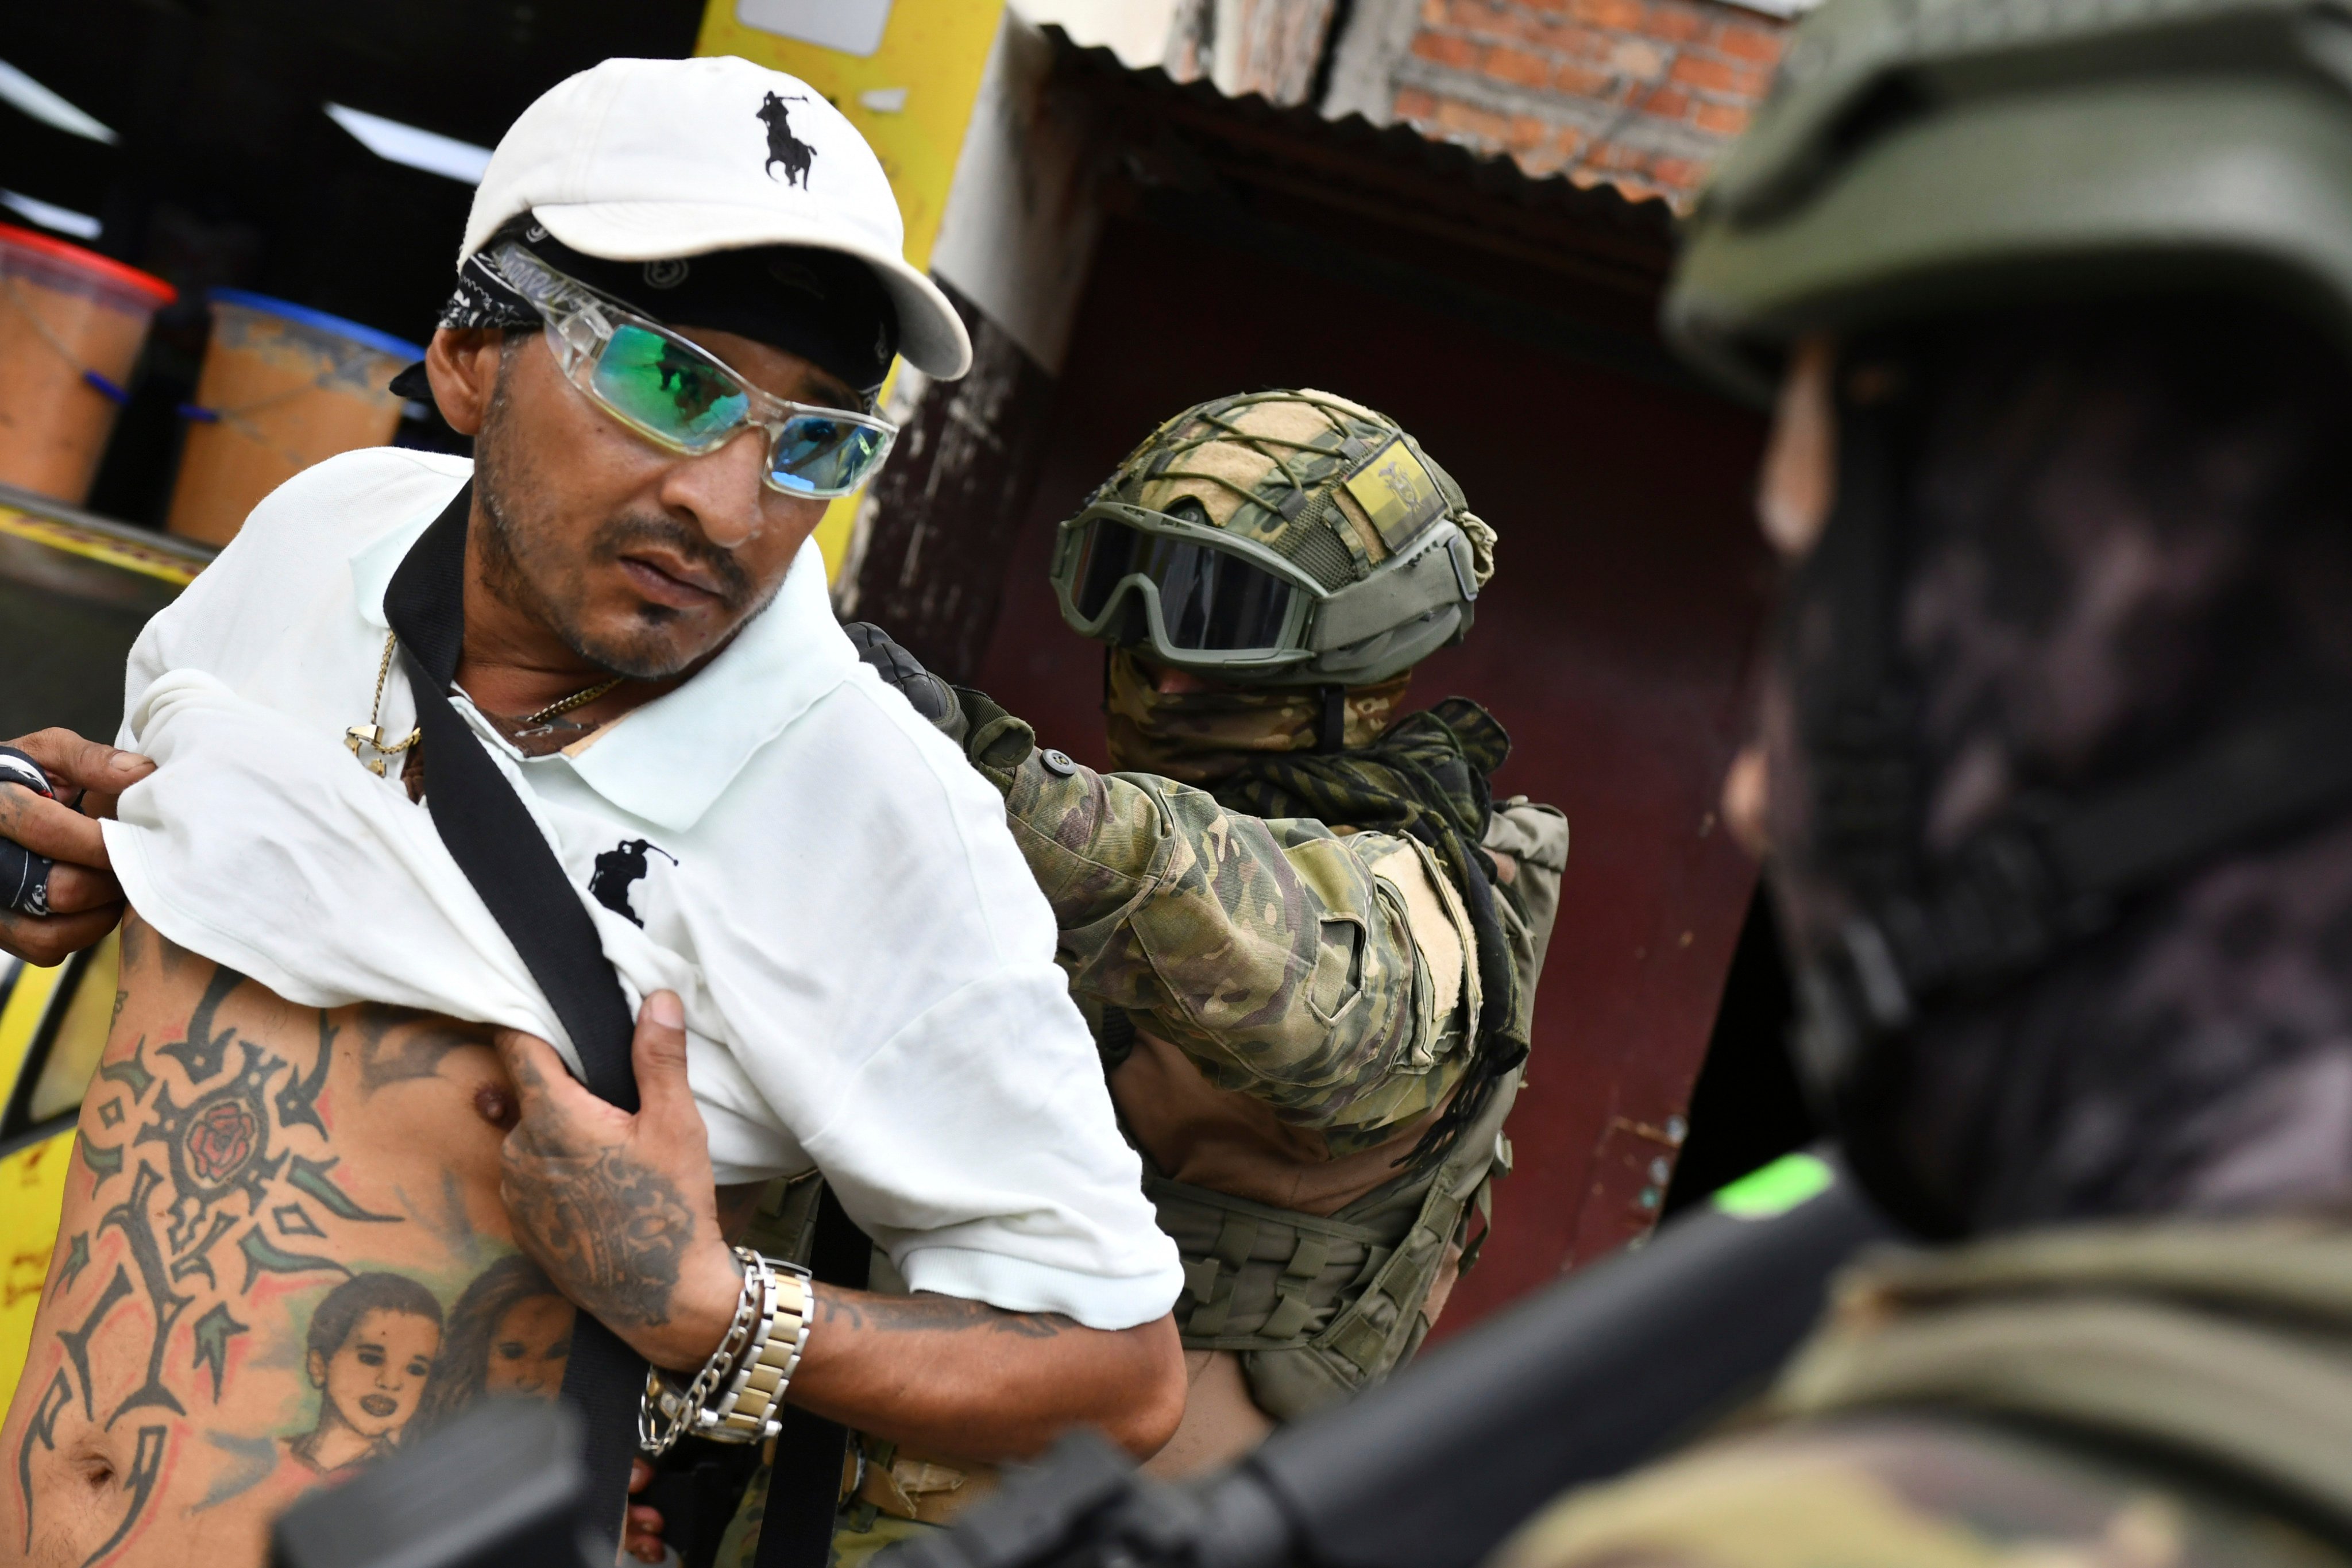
(528, 1346)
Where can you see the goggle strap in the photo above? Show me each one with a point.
(1331, 723)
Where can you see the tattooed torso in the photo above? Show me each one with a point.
(283, 1253)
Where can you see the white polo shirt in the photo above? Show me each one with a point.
(866, 964)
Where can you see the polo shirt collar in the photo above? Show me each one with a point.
(670, 760)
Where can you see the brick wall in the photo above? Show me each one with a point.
(1644, 93)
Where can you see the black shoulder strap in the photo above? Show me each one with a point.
(492, 837)
(804, 1480)
(486, 828)
(495, 841)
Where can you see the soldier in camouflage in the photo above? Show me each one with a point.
(1306, 935)
(1308, 939)
(2057, 298)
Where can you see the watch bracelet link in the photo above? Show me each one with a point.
(745, 1402)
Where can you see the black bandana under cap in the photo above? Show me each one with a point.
(828, 308)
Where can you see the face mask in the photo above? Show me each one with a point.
(1200, 736)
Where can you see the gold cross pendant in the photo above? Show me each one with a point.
(372, 737)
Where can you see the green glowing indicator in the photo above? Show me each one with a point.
(1777, 1188)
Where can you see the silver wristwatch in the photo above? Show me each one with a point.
(738, 1394)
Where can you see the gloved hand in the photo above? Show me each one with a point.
(993, 740)
(932, 698)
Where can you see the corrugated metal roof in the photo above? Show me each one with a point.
(1539, 259)
(1443, 176)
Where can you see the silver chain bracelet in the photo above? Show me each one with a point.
(737, 1395)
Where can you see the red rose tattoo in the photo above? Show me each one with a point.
(221, 1140)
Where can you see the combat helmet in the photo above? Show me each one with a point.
(1289, 538)
(1920, 156)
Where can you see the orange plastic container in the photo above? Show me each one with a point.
(71, 324)
(283, 386)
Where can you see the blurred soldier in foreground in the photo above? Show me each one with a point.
(2057, 782)
(1305, 938)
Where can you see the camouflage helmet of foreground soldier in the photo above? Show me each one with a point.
(1920, 164)
(1282, 539)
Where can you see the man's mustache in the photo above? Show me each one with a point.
(617, 537)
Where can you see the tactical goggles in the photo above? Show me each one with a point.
(684, 399)
(1205, 597)
(1208, 600)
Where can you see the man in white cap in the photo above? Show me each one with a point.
(603, 648)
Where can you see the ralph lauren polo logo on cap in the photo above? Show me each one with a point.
(784, 147)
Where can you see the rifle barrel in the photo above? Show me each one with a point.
(1433, 1469)
(1591, 1377)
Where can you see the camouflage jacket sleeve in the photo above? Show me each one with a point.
(1331, 976)
(1535, 838)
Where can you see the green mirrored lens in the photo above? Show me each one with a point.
(668, 388)
(819, 454)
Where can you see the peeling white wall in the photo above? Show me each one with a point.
(1136, 30)
(1021, 220)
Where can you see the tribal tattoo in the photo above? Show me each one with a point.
(146, 1465)
(42, 1429)
(222, 1218)
(396, 1046)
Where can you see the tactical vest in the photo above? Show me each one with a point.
(1322, 1306)
(2225, 1345)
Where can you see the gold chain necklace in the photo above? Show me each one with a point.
(370, 734)
(577, 699)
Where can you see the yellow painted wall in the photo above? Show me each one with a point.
(80, 997)
(932, 51)
(27, 992)
(32, 1192)
(85, 1015)
(32, 1180)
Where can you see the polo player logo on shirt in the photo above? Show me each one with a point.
(619, 866)
(784, 147)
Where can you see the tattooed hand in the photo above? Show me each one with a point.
(620, 1212)
(619, 1209)
(84, 897)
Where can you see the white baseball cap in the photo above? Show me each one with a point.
(643, 160)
